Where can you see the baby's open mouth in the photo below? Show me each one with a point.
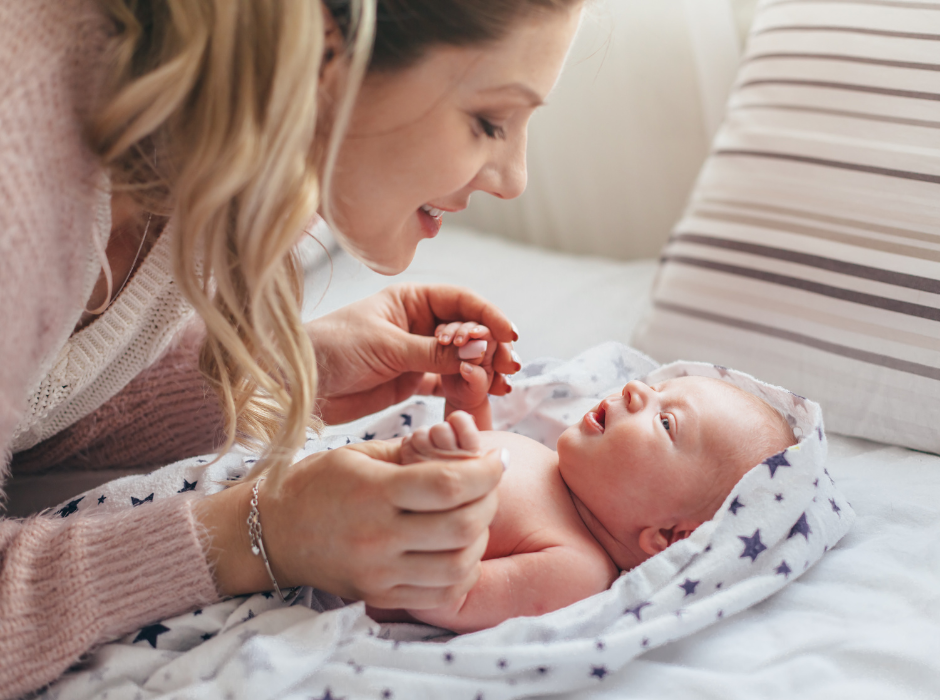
(599, 416)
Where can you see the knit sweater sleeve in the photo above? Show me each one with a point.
(64, 585)
(67, 585)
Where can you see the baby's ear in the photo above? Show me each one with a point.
(654, 540)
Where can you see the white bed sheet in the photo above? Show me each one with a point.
(863, 623)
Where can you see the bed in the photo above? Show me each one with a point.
(862, 623)
(573, 263)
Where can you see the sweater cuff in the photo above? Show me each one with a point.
(151, 565)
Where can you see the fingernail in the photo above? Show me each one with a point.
(516, 358)
(504, 458)
(466, 368)
(479, 329)
(473, 350)
(515, 331)
(445, 338)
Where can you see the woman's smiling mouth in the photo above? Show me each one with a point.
(431, 219)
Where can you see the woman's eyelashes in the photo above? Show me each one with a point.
(491, 130)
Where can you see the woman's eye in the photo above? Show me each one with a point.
(490, 129)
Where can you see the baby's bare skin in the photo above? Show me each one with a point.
(639, 472)
(540, 555)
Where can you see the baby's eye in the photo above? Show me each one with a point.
(665, 421)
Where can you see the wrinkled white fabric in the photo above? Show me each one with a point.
(778, 521)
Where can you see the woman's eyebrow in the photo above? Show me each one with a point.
(521, 89)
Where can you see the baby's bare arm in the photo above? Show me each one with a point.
(527, 584)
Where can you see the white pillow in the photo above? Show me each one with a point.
(810, 251)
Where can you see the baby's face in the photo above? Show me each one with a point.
(654, 456)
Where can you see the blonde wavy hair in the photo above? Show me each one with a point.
(212, 121)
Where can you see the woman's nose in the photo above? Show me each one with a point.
(505, 175)
(637, 395)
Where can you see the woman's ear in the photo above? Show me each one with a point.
(333, 44)
(654, 540)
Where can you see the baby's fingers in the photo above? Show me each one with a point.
(445, 332)
(461, 332)
(465, 430)
(443, 437)
(477, 381)
(420, 441)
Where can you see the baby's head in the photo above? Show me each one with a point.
(649, 465)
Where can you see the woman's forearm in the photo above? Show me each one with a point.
(67, 585)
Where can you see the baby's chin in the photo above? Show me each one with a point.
(567, 443)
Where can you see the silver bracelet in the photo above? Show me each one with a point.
(254, 532)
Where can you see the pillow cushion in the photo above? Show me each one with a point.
(809, 254)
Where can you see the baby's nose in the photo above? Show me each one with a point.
(636, 394)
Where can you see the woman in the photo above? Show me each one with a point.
(160, 156)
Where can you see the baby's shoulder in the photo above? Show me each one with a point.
(526, 446)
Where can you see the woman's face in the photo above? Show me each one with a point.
(427, 137)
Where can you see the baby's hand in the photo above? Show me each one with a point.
(456, 438)
(469, 390)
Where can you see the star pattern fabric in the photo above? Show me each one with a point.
(752, 546)
(775, 462)
(315, 647)
(69, 508)
(150, 633)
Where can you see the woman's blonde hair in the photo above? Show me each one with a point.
(211, 121)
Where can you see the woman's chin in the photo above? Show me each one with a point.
(388, 263)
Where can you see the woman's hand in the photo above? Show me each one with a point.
(355, 523)
(381, 350)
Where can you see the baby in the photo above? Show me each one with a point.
(640, 471)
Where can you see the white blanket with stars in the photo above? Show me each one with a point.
(779, 520)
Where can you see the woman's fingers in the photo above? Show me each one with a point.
(449, 303)
(422, 597)
(506, 360)
(450, 530)
(444, 486)
(444, 568)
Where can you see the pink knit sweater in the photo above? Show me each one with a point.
(69, 584)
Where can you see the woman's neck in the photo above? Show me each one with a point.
(127, 247)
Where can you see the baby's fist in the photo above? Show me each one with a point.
(457, 437)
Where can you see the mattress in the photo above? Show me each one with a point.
(863, 623)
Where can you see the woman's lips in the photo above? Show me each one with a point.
(430, 224)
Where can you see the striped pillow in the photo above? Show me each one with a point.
(809, 254)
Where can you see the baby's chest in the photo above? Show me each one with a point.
(534, 513)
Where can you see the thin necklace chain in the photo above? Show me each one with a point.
(136, 257)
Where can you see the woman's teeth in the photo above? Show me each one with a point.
(436, 213)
